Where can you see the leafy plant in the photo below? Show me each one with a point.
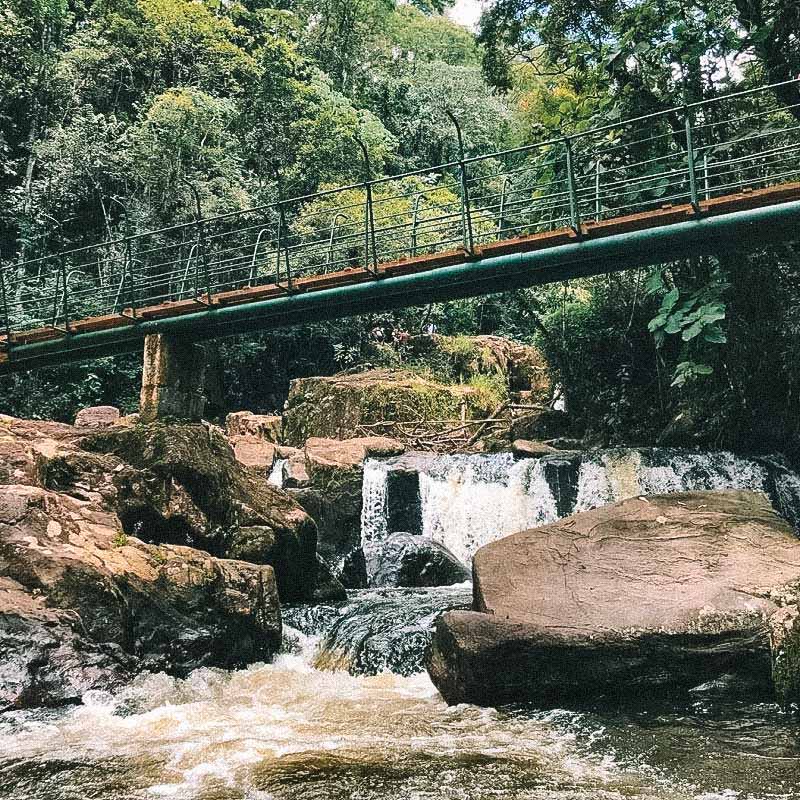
(695, 317)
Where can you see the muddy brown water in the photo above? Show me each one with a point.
(290, 732)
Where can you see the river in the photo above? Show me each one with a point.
(346, 711)
(293, 731)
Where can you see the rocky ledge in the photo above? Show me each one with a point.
(139, 547)
(650, 597)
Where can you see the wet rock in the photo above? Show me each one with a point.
(783, 487)
(171, 608)
(524, 448)
(480, 659)
(291, 552)
(353, 569)
(46, 662)
(650, 595)
(404, 559)
(327, 587)
(97, 417)
(181, 484)
(377, 629)
(542, 426)
(245, 423)
(403, 501)
(331, 492)
(561, 471)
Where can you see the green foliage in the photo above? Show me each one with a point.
(111, 110)
(695, 317)
(491, 390)
(58, 393)
(120, 540)
(413, 37)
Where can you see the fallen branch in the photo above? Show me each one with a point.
(477, 435)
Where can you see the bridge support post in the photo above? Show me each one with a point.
(180, 379)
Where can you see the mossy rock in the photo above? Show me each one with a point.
(521, 367)
(335, 407)
(193, 491)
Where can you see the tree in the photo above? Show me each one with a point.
(412, 35)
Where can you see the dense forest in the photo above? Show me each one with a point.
(113, 112)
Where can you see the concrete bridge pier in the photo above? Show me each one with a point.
(181, 380)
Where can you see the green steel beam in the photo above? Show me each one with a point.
(742, 230)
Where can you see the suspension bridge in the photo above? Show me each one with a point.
(694, 180)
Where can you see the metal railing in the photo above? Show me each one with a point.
(736, 142)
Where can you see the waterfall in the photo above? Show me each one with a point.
(467, 501)
(374, 521)
(276, 474)
(613, 475)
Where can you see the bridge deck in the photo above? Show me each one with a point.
(642, 221)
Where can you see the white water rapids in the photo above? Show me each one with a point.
(288, 731)
(292, 730)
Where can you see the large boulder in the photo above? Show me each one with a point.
(326, 455)
(340, 407)
(253, 452)
(68, 568)
(182, 484)
(522, 366)
(47, 661)
(649, 596)
(405, 559)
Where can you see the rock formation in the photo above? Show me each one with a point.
(71, 577)
(331, 493)
(649, 596)
(139, 547)
(340, 406)
(405, 559)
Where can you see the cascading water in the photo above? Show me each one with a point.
(375, 630)
(612, 475)
(294, 731)
(466, 501)
(345, 713)
(276, 474)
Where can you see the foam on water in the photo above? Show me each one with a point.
(220, 735)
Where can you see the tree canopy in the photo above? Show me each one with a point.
(114, 113)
